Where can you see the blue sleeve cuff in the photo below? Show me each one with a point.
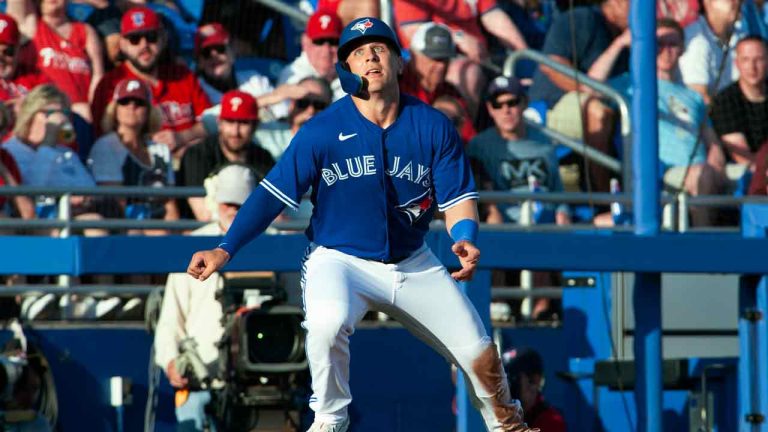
(465, 229)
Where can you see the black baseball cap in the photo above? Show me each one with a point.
(434, 41)
(504, 84)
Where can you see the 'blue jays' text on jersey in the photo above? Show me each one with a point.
(374, 190)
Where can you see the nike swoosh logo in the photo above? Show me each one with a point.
(343, 137)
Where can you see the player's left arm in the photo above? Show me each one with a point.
(461, 221)
(456, 195)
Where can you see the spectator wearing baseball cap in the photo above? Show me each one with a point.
(127, 156)
(525, 372)
(517, 160)
(45, 23)
(217, 73)
(432, 49)
(238, 120)
(16, 78)
(175, 89)
(319, 45)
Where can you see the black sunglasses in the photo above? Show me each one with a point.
(208, 51)
(508, 103)
(8, 51)
(323, 41)
(151, 37)
(318, 104)
(131, 100)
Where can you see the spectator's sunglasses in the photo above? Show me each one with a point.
(151, 37)
(207, 52)
(131, 100)
(508, 103)
(317, 104)
(323, 41)
(9, 51)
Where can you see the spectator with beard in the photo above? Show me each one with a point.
(175, 89)
(234, 144)
(319, 44)
(127, 156)
(217, 74)
(68, 52)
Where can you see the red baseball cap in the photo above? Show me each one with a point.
(139, 19)
(324, 25)
(9, 30)
(239, 105)
(132, 88)
(210, 35)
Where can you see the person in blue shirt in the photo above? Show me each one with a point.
(379, 163)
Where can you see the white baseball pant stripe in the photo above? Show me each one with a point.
(339, 289)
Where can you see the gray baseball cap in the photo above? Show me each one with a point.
(434, 41)
(234, 184)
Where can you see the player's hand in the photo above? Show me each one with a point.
(469, 256)
(174, 377)
(205, 263)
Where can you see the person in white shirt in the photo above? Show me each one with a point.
(190, 308)
(706, 42)
(319, 44)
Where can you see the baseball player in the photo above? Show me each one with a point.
(379, 163)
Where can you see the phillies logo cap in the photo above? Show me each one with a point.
(210, 35)
(9, 30)
(139, 19)
(324, 25)
(239, 105)
(132, 88)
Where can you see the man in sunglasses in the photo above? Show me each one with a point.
(319, 45)
(518, 160)
(233, 144)
(175, 88)
(16, 80)
(217, 74)
(315, 96)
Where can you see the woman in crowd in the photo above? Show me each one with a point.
(68, 52)
(127, 156)
(38, 144)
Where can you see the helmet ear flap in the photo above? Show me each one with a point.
(351, 83)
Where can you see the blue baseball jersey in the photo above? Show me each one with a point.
(374, 190)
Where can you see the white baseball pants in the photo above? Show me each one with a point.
(418, 292)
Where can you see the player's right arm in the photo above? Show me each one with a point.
(284, 186)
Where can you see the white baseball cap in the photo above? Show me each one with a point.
(234, 183)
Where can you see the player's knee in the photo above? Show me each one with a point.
(489, 374)
(327, 330)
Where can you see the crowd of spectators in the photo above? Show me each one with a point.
(115, 99)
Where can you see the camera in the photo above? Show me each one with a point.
(262, 360)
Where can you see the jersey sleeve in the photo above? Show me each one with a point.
(284, 186)
(295, 172)
(410, 12)
(485, 6)
(451, 173)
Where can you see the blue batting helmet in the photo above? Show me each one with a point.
(355, 33)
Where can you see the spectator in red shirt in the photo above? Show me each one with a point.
(467, 20)
(432, 49)
(10, 176)
(16, 80)
(68, 52)
(525, 372)
(175, 89)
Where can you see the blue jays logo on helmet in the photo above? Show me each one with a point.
(362, 25)
(417, 207)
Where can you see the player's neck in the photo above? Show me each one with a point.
(380, 108)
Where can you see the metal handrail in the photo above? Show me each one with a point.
(121, 191)
(623, 106)
(599, 157)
